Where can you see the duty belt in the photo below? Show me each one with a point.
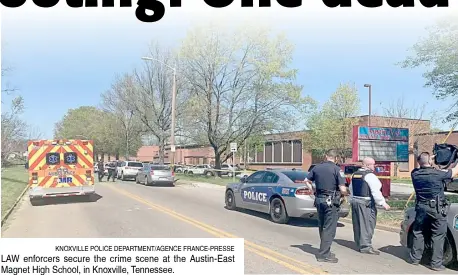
(324, 193)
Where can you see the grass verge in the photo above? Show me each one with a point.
(213, 180)
(14, 180)
(402, 181)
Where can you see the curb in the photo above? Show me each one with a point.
(8, 213)
(378, 226)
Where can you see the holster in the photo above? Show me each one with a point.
(336, 201)
(444, 207)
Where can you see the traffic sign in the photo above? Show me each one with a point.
(234, 147)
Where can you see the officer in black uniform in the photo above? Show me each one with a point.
(101, 169)
(431, 210)
(329, 187)
(111, 171)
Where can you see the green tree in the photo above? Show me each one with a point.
(240, 85)
(438, 52)
(124, 127)
(331, 126)
(85, 122)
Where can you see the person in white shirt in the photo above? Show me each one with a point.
(366, 194)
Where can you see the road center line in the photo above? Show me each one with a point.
(257, 249)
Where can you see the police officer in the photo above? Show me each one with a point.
(329, 187)
(431, 210)
(101, 169)
(111, 171)
(365, 189)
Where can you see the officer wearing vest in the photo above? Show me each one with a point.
(329, 187)
(365, 189)
(431, 209)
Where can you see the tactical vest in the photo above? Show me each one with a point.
(359, 185)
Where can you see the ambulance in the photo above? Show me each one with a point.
(60, 168)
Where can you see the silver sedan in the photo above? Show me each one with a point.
(280, 193)
(155, 175)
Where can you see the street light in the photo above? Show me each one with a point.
(370, 99)
(174, 94)
(131, 113)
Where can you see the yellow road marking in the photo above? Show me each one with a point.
(257, 249)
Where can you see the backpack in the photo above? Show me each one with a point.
(446, 154)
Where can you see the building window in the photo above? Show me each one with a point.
(403, 166)
(287, 151)
(268, 152)
(259, 154)
(297, 151)
(277, 152)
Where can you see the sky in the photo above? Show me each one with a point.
(63, 58)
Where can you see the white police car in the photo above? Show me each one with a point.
(280, 193)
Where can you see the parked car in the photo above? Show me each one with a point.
(280, 193)
(451, 239)
(229, 170)
(155, 174)
(129, 169)
(203, 169)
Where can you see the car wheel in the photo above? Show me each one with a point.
(449, 257)
(230, 200)
(278, 211)
(122, 176)
(146, 181)
(449, 252)
(136, 180)
(229, 175)
(190, 173)
(209, 174)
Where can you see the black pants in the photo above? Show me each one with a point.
(100, 174)
(327, 222)
(428, 223)
(364, 219)
(111, 174)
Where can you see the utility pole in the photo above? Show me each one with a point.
(172, 130)
(127, 133)
(370, 103)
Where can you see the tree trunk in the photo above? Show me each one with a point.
(161, 150)
(117, 155)
(217, 160)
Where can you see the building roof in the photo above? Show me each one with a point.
(389, 117)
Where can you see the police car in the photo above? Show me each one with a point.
(450, 242)
(281, 193)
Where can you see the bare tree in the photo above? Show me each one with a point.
(150, 95)
(413, 118)
(6, 87)
(240, 84)
(123, 125)
(13, 128)
(34, 133)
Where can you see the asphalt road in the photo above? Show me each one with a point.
(125, 209)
